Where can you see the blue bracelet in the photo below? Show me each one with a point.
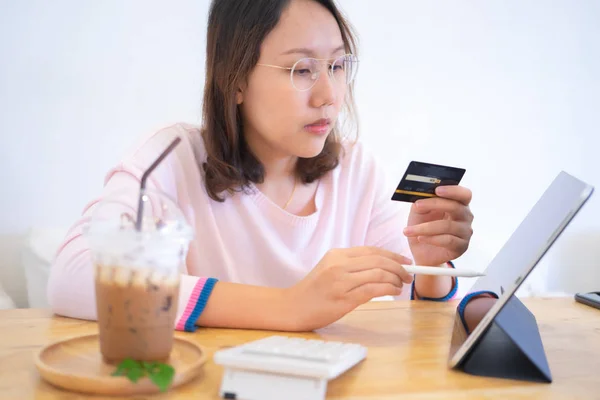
(445, 298)
(463, 304)
(190, 325)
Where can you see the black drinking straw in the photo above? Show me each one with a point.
(138, 221)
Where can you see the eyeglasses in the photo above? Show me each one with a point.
(305, 73)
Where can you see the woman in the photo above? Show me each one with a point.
(294, 224)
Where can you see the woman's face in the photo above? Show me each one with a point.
(279, 120)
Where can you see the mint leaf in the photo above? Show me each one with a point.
(125, 366)
(150, 367)
(134, 374)
(162, 376)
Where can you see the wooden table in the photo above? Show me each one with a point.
(408, 351)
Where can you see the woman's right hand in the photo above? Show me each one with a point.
(343, 280)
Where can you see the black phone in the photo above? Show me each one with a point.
(591, 299)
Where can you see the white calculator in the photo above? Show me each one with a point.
(279, 367)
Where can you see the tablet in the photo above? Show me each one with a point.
(520, 254)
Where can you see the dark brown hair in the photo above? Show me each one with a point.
(236, 30)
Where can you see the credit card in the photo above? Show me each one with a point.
(421, 179)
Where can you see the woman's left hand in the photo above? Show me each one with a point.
(439, 228)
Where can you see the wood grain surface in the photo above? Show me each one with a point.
(407, 342)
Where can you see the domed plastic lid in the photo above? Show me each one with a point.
(160, 216)
(159, 239)
(139, 226)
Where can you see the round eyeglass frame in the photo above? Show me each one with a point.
(329, 68)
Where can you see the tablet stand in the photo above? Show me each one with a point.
(510, 348)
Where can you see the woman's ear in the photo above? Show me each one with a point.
(239, 96)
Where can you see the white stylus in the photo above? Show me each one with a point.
(423, 270)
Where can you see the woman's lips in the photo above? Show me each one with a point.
(319, 127)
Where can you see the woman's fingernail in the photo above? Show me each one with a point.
(408, 230)
(441, 190)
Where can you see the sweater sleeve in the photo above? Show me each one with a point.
(71, 290)
(388, 217)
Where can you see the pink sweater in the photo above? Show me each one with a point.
(246, 239)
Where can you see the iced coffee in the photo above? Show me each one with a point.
(137, 272)
(136, 312)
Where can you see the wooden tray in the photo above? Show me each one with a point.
(76, 364)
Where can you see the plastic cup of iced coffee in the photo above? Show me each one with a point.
(138, 258)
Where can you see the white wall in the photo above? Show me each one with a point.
(508, 90)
